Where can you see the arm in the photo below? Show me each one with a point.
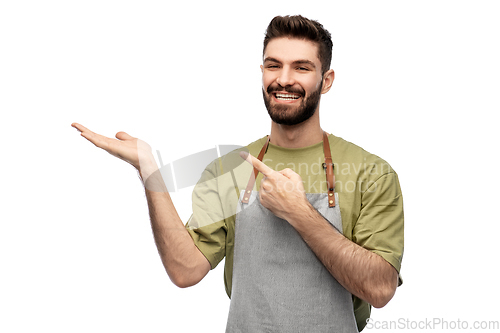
(184, 263)
(363, 273)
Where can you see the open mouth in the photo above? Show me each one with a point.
(286, 97)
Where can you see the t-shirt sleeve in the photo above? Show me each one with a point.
(380, 226)
(207, 225)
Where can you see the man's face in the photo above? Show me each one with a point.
(291, 80)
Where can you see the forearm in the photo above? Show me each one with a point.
(184, 263)
(362, 272)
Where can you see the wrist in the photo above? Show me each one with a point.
(147, 166)
(150, 175)
(301, 213)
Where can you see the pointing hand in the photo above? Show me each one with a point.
(282, 192)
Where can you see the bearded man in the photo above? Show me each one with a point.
(311, 229)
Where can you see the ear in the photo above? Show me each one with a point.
(328, 81)
(262, 68)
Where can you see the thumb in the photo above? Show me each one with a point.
(289, 173)
(123, 136)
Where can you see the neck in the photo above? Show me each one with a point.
(297, 136)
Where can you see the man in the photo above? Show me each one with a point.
(316, 238)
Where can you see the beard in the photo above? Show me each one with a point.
(284, 114)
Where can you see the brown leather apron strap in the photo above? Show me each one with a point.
(251, 181)
(330, 176)
(328, 166)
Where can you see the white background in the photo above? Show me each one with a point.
(417, 83)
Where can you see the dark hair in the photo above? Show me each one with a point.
(302, 28)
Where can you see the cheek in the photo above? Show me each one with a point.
(266, 81)
(316, 84)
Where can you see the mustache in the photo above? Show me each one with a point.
(290, 90)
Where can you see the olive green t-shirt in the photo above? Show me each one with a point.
(370, 201)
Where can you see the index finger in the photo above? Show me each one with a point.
(264, 169)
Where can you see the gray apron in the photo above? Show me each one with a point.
(278, 284)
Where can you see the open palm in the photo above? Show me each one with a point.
(125, 147)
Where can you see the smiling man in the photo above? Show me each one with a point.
(290, 67)
(311, 228)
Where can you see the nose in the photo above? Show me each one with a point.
(285, 78)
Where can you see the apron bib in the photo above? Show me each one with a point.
(278, 283)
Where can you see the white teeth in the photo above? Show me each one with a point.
(287, 97)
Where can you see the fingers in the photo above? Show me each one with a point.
(266, 185)
(98, 140)
(261, 167)
(79, 127)
(267, 171)
(127, 148)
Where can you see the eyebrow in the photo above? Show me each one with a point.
(296, 62)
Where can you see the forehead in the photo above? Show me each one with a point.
(292, 49)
